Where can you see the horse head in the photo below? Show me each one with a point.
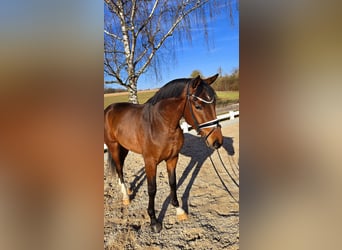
(199, 110)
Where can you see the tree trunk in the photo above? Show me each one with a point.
(133, 92)
(136, 31)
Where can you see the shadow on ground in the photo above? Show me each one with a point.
(195, 148)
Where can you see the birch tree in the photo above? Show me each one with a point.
(136, 33)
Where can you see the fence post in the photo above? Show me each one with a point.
(185, 127)
(231, 115)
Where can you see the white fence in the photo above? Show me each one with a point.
(228, 116)
(186, 127)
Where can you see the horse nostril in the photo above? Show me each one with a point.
(217, 144)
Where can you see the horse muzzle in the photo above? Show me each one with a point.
(217, 144)
(213, 138)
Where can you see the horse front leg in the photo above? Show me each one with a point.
(171, 170)
(151, 170)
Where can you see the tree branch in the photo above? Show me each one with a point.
(149, 17)
(113, 35)
(114, 51)
(140, 56)
(168, 33)
(110, 71)
(112, 6)
(140, 28)
(133, 11)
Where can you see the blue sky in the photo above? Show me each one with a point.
(223, 51)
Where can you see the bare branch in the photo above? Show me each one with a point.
(116, 82)
(169, 33)
(133, 11)
(110, 82)
(149, 17)
(141, 56)
(110, 71)
(139, 29)
(113, 35)
(112, 6)
(114, 51)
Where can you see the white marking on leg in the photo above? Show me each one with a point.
(179, 211)
(181, 214)
(124, 190)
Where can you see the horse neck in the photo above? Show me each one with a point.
(171, 110)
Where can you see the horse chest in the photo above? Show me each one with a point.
(173, 149)
(174, 145)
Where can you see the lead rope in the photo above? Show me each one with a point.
(219, 176)
(224, 166)
(205, 139)
(233, 163)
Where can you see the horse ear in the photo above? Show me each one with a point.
(195, 82)
(210, 80)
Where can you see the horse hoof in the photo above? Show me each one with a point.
(126, 202)
(181, 214)
(156, 228)
(181, 217)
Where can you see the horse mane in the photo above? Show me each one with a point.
(172, 89)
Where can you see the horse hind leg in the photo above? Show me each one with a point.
(111, 167)
(118, 155)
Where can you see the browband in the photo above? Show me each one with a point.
(201, 99)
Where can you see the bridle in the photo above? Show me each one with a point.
(209, 124)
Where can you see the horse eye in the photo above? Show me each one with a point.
(197, 106)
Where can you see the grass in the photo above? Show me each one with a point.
(231, 95)
(224, 97)
(143, 96)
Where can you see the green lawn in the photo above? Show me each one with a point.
(224, 97)
(142, 97)
(232, 95)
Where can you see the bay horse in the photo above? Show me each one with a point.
(152, 129)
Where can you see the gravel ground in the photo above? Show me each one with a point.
(212, 204)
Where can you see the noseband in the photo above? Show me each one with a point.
(209, 124)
